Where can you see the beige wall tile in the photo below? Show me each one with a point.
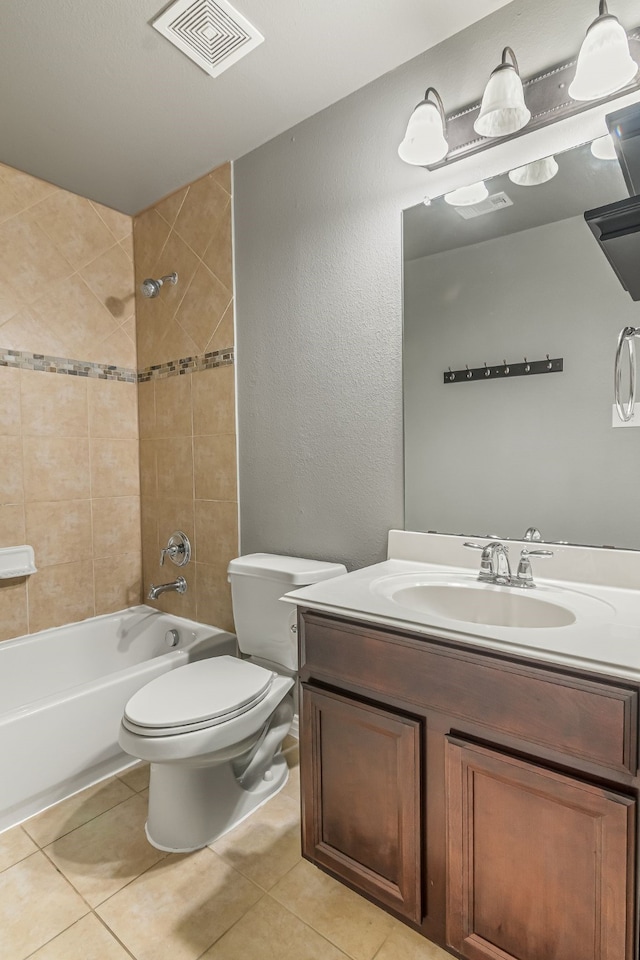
(113, 409)
(34, 882)
(27, 189)
(203, 207)
(59, 532)
(215, 467)
(75, 227)
(10, 423)
(216, 530)
(118, 582)
(222, 176)
(213, 596)
(150, 234)
(214, 401)
(53, 405)
(14, 613)
(115, 468)
(176, 257)
(175, 468)
(173, 406)
(147, 409)
(148, 468)
(87, 939)
(120, 224)
(116, 526)
(29, 259)
(12, 527)
(118, 348)
(60, 594)
(175, 515)
(11, 470)
(110, 277)
(203, 307)
(148, 917)
(175, 344)
(56, 469)
(152, 322)
(224, 334)
(75, 318)
(218, 255)
(169, 208)
(24, 332)
(127, 246)
(11, 302)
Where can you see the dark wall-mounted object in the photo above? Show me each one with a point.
(504, 370)
(624, 127)
(616, 227)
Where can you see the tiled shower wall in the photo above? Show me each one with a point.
(69, 481)
(187, 412)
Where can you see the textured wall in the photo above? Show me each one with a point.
(69, 472)
(319, 292)
(187, 394)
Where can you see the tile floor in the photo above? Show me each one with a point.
(81, 882)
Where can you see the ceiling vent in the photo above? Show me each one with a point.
(497, 201)
(211, 32)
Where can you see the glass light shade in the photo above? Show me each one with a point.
(604, 62)
(604, 148)
(535, 173)
(424, 142)
(503, 109)
(466, 196)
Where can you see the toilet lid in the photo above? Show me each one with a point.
(199, 694)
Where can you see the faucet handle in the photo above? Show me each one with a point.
(532, 533)
(473, 546)
(485, 560)
(525, 575)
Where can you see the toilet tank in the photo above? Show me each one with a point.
(263, 622)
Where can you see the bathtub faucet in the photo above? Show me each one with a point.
(179, 585)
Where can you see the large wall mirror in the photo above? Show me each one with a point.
(495, 456)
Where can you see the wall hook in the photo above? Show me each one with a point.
(527, 366)
(491, 372)
(506, 368)
(469, 374)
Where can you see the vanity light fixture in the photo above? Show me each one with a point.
(604, 62)
(425, 141)
(534, 173)
(503, 109)
(604, 148)
(466, 196)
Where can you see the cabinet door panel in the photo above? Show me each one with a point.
(539, 863)
(361, 793)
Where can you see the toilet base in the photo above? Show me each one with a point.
(190, 807)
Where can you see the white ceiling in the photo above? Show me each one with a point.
(97, 101)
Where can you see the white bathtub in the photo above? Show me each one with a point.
(63, 692)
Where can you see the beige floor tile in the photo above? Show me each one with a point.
(354, 925)
(87, 939)
(404, 944)
(36, 904)
(269, 932)
(292, 786)
(76, 811)
(136, 777)
(15, 845)
(266, 845)
(180, 907)
(107, 853)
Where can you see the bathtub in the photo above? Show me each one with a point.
(62, 696)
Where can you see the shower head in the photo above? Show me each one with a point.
(151, 288)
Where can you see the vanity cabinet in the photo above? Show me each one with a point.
(489, 801)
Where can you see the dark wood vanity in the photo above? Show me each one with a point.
(488, 800)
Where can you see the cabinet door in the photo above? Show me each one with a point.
(539, 863)
(361, 795)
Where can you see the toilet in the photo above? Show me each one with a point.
(212, 730)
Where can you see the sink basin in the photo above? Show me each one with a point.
(482, 603)
(466, 600)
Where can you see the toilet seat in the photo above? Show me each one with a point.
(196, 696)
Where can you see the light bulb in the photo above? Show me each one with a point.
(604, 62)
(425, 142)
(503, 109)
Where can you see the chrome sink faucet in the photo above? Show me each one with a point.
(495, 567)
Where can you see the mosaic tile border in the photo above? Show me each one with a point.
(174, 368)
(71, 368)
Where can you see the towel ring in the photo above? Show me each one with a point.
(627, 336)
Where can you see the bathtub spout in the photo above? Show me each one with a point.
(179, 585)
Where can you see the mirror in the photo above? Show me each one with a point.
(498, 455)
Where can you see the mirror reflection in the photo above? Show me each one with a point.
(518, 275)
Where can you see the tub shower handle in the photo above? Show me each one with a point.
(178, 549)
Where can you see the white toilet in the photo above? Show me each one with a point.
(212, 730)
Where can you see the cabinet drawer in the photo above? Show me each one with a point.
(589, 719)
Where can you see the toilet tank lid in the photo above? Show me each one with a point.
(291, 570)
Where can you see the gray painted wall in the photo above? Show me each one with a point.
(319, 293)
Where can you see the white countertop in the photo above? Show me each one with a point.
(605, 639)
